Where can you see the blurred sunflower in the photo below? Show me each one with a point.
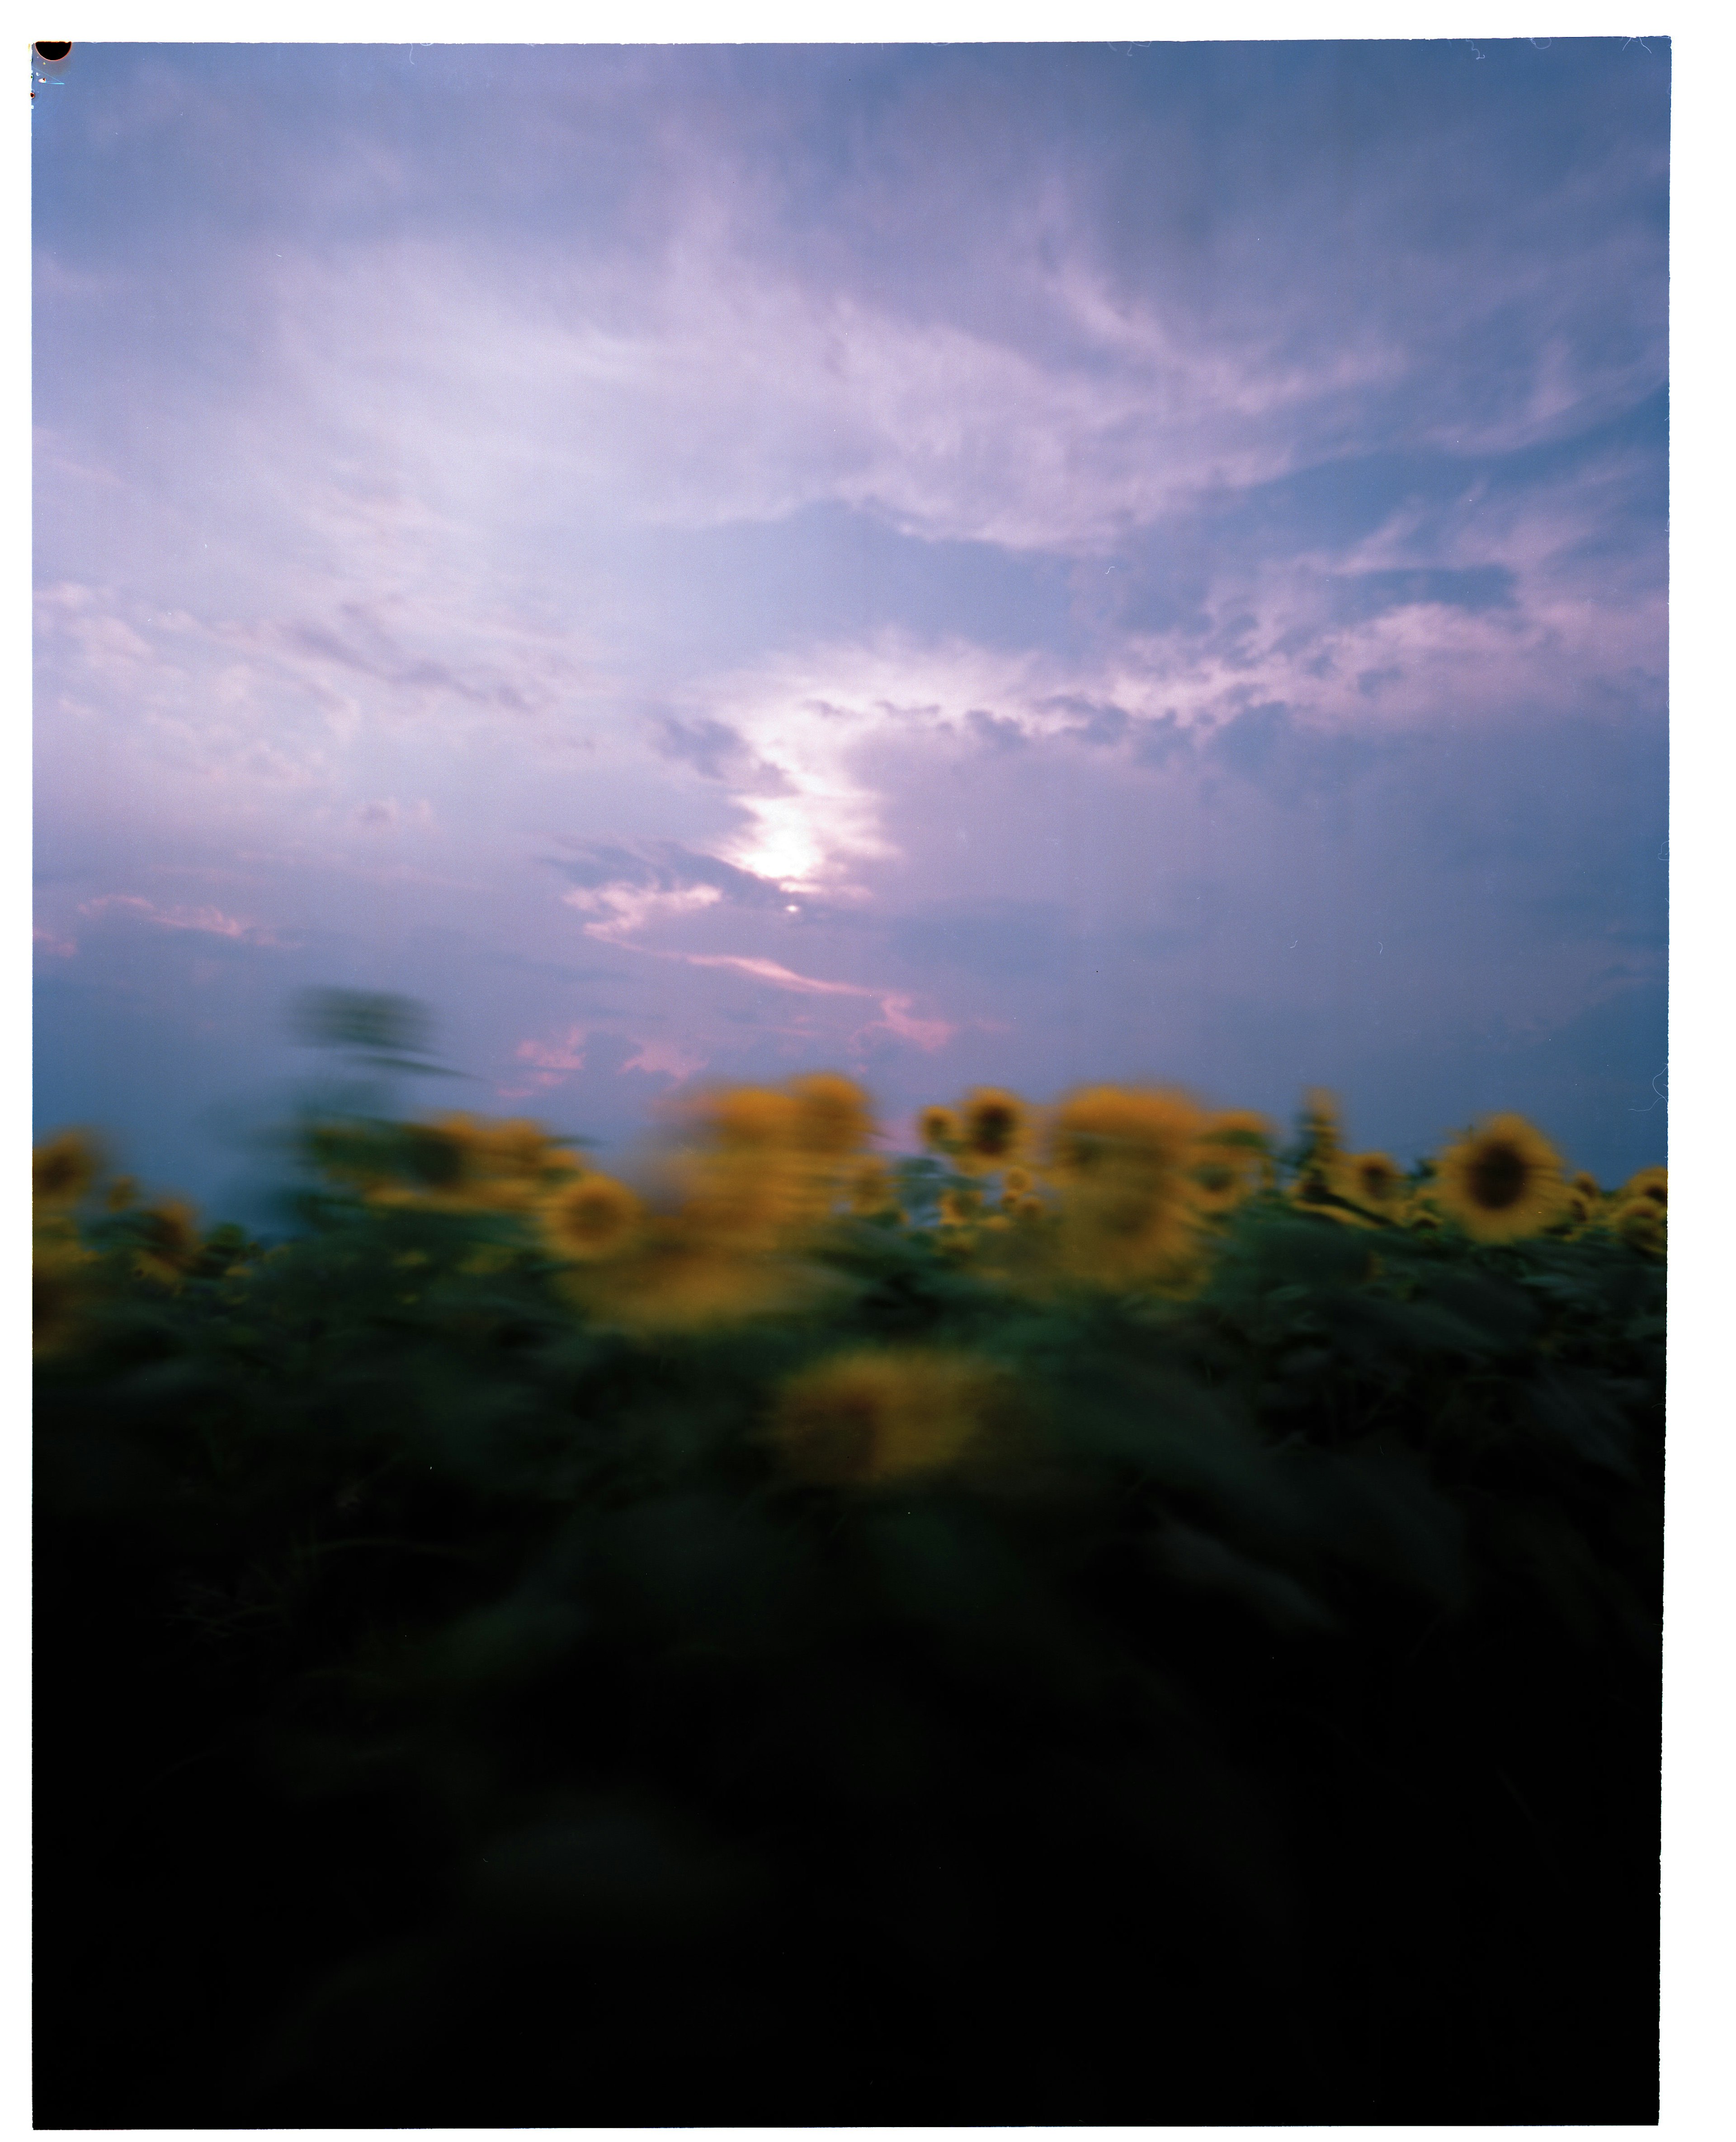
(746, 1203)
(64, 1168)
(834, 1116)
(672, 1282)
(1588, 1186)
(940, 1129)
(518, 1146)
(516, 1162)
(992, 1128)
(438, 1166)
(1578, 1212)
(1234, 1159)
(1651, 1183)
(456, 1162)
(1122, 1158)
(1016, 1182)
(746, 1175)
(741, 1119)
(870, 1189)
(960, 1208)
(592, 1218)
(1322, 1140)
(1641, 1222)
(871, 1416)
(167, 1242)
(1373, 1181)
(1502, 1182)
(60, 1274)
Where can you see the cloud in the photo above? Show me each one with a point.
(663, 1060)
(897, 1018)
(769, 971)
(628, 889)
(564, 1053)
(210, 922)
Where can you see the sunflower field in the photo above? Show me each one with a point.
(1126, 1616)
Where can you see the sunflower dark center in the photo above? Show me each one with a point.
(993, 1130)
(1497, 1177)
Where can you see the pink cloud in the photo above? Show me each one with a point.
(211, 920)
(926, 1033)
(665, 1059)
(896, 1016)
(768, 970)
(555, 1060)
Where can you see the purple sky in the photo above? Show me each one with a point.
(959, 564)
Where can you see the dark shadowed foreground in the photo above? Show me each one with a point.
(522, 1653)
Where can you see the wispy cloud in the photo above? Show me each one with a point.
(210, 922)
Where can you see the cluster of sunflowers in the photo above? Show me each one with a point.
(1119, 1188)
(159, 1243)
(1501, 1182)
(745, 1178)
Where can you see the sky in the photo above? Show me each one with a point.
(958, 563)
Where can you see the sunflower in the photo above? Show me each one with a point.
(960, 1208)
(870, 1416)
(834, 1118)
(1588, 1186)
(746, 1203)
(1641, 1222)
(510, 1163)
(167, 1242)
(449, 1164)
(1374, 1182)
(1122, 1158)
(673, 1280)
(517, 1145)
(59, 1288)
(591, 1219)
(940, 1129)
(1234, 1159)
(869, 1189)
(994, 1126)
(747, 1175)
(1650, 1184)
(1501, 1183)
(743, 1120)
(64, 1168)
(1322, 1140)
